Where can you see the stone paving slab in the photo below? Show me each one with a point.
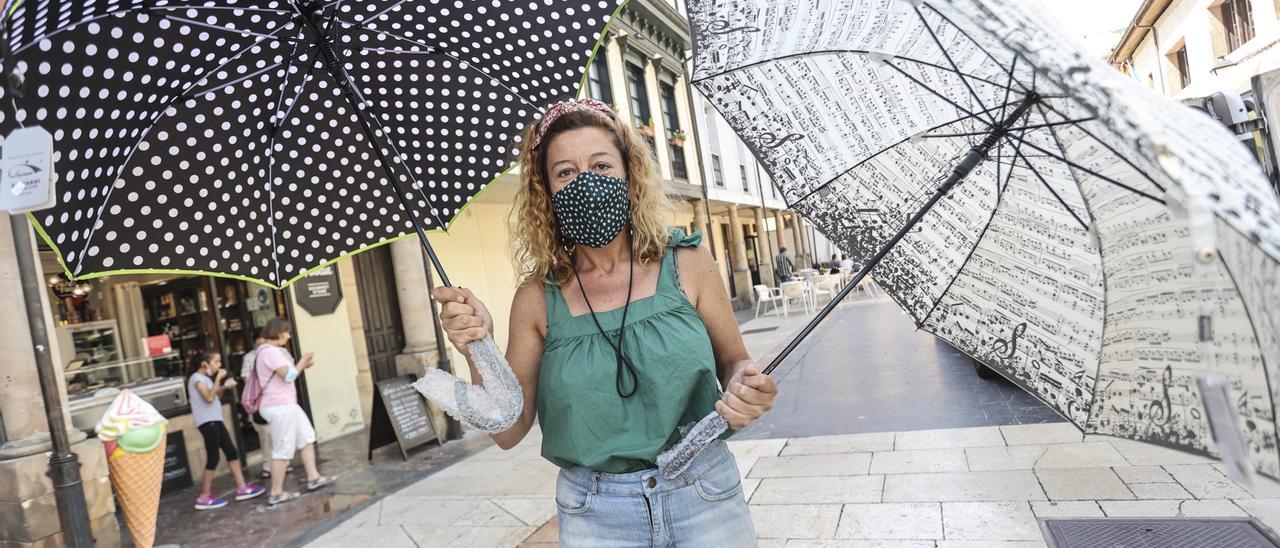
(835, 489)
(843, 464)
(962, 487)
(1083, 484)
(891, 521)
(990, 521)
(932, 488)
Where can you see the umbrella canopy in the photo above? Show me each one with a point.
(261, 139)
(1101, 247)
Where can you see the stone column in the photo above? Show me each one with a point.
(738, 261)
(700, 219)
(765, 260)
(28, 509)
(779, 226)
(618, 74)
(414, 294)
(797, 237)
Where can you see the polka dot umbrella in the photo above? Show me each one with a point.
(261, 139)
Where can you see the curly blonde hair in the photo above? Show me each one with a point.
(539, 248)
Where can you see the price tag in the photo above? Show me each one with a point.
(26, 171)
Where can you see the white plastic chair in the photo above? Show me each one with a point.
(770, 295)
(825, 285)
(795, 290)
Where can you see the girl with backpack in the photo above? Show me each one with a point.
(272, 394)
(205, 385)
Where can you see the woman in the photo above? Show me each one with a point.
(291, 430)
(205, 385)
(595, 255)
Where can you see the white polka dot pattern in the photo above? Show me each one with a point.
(212, 135)
(592, 209)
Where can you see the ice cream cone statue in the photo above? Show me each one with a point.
(133, 433)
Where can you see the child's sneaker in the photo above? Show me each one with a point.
(248, 491)
(206, 501)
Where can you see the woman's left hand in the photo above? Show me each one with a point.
(747, 397)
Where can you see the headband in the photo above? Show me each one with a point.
(562, 108)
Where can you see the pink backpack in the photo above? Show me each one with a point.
(253, 389)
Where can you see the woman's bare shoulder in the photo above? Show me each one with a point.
(529, 306)
(697, 269)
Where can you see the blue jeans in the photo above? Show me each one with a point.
(704, 506)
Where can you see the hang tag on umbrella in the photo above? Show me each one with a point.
(26, 171)
(1224, 425)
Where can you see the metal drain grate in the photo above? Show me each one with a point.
(760, 330)
(1157, 533)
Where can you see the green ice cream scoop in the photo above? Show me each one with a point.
(141, 440)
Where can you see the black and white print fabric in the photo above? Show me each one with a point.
(218, 135)
(1112, 247)
(592, 209)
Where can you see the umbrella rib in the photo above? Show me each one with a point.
(271, 162)
(947, 55)
(1054, 192)
(417, 185)
(450, 55)
(1036, 126)
(872, 157)
(251, 75)
(1089, 171)
(915, 80)
(159, 113)
(193, 22)
(233, 8)
(1262, 356)
(836, 51)
(977, 45)
(1013, 162)
(1109, 148)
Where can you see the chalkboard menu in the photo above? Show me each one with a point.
(177, 471)
(399, 416)
(320, 292)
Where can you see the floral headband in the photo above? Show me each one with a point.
(562, 108)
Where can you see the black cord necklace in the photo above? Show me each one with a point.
(623, 365)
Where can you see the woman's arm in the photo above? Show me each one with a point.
(748, 394)
(465, 319)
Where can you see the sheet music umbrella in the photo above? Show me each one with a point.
(1096, 244)
(263, 140)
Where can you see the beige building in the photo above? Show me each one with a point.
(1193, 48)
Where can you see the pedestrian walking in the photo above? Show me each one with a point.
(260, 425)
(782, 266)
(589, 224)
(291, 429)
(206, 382)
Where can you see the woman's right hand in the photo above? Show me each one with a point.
(463, 317)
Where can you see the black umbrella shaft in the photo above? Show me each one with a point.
(963, 169)
(349, 90)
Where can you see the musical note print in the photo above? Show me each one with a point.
(723, 26)
(771, 140)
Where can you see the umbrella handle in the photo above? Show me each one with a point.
(493, 407)
(675, 460)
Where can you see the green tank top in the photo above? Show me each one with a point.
(583, 419)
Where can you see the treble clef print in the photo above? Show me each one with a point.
(1159, 411)
(723, 26)
(771, 140)
(1006, 349)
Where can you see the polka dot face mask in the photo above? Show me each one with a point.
(592, 209)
